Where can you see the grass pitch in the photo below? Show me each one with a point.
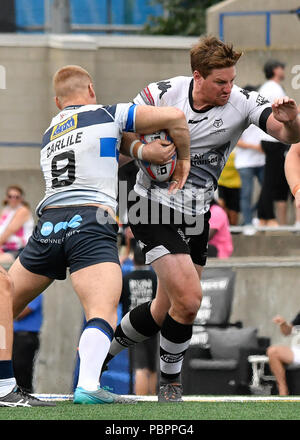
(252, 410)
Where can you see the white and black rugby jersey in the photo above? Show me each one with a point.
(214, 133)
(80, 152)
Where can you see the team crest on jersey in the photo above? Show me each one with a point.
(218, 123)
(64, 127)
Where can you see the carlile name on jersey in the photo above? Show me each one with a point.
(63, 143)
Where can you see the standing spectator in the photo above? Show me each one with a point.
(219, 241)
(229, 185)
(139, 286)
(16, 224)
(26, 343)
(250, 163)
(275, 187)
(280, 356)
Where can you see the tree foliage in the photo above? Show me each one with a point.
(182, 17)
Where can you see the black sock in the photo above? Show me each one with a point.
(136, 326)
(174, 341)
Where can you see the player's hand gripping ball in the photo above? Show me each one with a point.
(158, 173)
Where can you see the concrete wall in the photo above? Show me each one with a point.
(250, 31)
(271, 244)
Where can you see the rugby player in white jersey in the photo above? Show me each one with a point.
(217, 112)
(77, 227)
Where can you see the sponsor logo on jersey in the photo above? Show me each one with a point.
(192, 121)
(48, 227)
(64, 127)
(204, 159)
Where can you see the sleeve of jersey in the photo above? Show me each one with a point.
(148, 96)
(125, 116)
(258, 110)
(296, 320)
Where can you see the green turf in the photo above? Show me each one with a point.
(160, 411)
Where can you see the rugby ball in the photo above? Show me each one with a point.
(158, 173)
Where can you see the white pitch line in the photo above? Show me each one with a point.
(63, 397)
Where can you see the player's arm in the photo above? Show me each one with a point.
(150, 118)
(284, 121)
(292, 171)
(158, 152)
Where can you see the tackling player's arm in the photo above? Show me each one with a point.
(158, 152)
(284, 121)
(292, 171)
(150, 119)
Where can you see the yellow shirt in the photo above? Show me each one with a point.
(230, 176)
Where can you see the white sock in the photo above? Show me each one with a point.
(93, 349)
(7, 385)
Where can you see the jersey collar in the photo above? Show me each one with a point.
(72, 107)
(205, 109)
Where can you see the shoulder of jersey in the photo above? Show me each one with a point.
(241, 97)
(173, 89)
(63, 116)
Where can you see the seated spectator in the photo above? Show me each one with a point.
(229, 185)
(26, 342)
(280, 355)
(16, 224)
(220, 241)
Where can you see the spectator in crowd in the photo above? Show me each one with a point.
(26, 343)
(250, 162)
(16, 224)
(220, 241)
(126, 257)
(280, 355)
(139, 286)
(229, 185)
(275, 188)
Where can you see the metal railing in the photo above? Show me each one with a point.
(267, 14)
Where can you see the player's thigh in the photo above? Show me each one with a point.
(99, 289)
(26, 286)
(177, 276)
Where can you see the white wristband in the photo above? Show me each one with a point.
(140, 152)
(132, 146)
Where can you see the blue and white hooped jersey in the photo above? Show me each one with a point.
(80, 152)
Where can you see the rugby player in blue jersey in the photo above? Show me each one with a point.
(77, 227)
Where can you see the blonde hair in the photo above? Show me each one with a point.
(70, 80)
(211, 53)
